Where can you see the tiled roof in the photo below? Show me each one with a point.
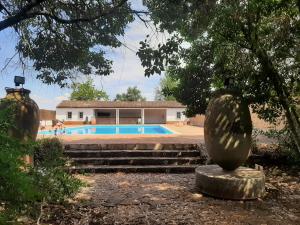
(119, 104)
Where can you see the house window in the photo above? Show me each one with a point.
(178, 115)
(69, 115)
(80, 115)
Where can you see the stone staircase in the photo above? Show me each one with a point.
(130, 158)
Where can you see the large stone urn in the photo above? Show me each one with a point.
(227, 129)
(26, 119)
(227, 134)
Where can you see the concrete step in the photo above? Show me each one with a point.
(147, 146)
(138, 161)
(131, 153)
(135, 169)
(150, 158)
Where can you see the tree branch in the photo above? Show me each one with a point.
(77, 20)
(66, 21)
(23, 15)
(20, 16)
(2, 7)
(137, 13)
(8, 62)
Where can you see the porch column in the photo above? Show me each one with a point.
(117, 116)
(94, 117)
(143, 115)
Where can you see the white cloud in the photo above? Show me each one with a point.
(47, 103)
(127, 66)
(62, 97)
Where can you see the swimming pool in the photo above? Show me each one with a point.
(109, 129)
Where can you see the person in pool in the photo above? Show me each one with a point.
(58, 126)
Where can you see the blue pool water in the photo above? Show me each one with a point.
(114, 129)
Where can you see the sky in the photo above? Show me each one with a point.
(127, 68)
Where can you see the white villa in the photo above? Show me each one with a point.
(119, 112)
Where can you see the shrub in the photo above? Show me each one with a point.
(24, 188)
(50, 171)
(286, 144)
(49, 153)
(17, 188)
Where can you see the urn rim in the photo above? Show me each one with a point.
(17, 90)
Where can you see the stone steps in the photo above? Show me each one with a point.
(138, 161)
(136, 158)
(135, 169)
(157, 146)
(131, 153)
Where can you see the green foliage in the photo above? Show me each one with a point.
(286, 144)
(17, 188)
(62, 37)
(22, 187)
(86, 91)
(49, 171)
(7, 115)
(158, 95)
(154, 60)
(255, 42)
(166, 89)
(132, 94)
(56, 185)
(48, 153)
(221, 37)
(191, 84)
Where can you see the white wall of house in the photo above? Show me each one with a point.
(62, 114)
(172, 114)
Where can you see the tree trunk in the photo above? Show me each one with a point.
(283, 95)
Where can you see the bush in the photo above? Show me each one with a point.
(50, 171)
(286, 144)
(17, 188)
(49, 153)
(24, 188)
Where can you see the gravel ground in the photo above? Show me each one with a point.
(171, 199)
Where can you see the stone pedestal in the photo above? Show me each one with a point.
(240, 184)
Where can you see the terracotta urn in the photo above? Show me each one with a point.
(26, 119)
(228, 129)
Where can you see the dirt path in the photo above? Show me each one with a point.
(171, 199)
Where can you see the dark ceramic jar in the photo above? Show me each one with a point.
(228, 129)
(26, 119)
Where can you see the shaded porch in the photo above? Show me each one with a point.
(130, 116)
(105, 116)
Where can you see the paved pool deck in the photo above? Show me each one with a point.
(183, 134)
